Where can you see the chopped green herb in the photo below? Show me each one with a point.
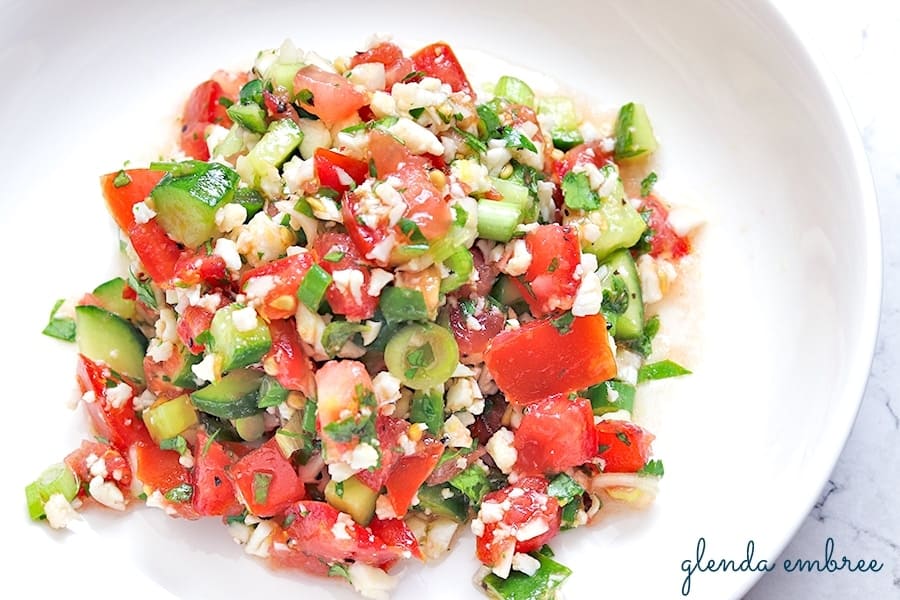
(647, 184)
(177, 443)
(339, 489)
(623, 437)
(338, 333)
(515, 139)
(60, 328)
(305, 96)
(334, 256)
(415, 113)
(223, 101)
(413, 75)
(180, 494)
(644, 344)
(412, 231)
(473, 482)
(563, 323)
(271, 393)
(661, 370)
(577, 192)
(142, 497)
(654, 467)
(564, 489)
(615, 300)
(261, 482)
(209, 442)
(143, 289)
(490, 120)
(338, 570)
(122, 179)
(472, 141)
(313, 287)
(554, 265)
(461, 216)
(373, 171)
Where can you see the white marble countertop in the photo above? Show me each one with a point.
(858, 507)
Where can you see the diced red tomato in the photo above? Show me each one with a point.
(438, 60)
(339, 385)
(120, 200)
(286, 360)
(312, 530)
(396, 66)
(158, 252)
(664, 242)
(389, 155)
(410, 473)
(530, 505)
(201, 105)
(396, 533)
(587, 153)
(204, 107)
(161, 375)
(355, 308)
(365, 237)
(119, 424)
(267, 481)
(278, 106)
(624, 446)
(491, 321)
(334, 98)
(538, 360)
(193, 140)
(82, 459)
(329, 164)
(214, 493)
(549, 284)
(287, 274)
(192, 322)
(425, 205)
(555, 434)
(388, 430)
(194, 268)
(158, 469)
(231, 83)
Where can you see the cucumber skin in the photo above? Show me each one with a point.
(634, 133)
(238, 349)
(624, 227)
(234, 396)
(109, 294)
(186, 206)
(105, 337)
(630, 324)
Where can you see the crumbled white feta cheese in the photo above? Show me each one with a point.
(371, 582)
(97, 467)
(497, 158)
(685, 219)
(524, 563)
(627, 365)
(310, 327)
(462, 370)
(186, 461)
(473, 174)
(210, 302)
(533, 528)
(546, 203)
(418, 140)
(59, 512)
(257, 288)
(519, 258)
(369, 75)
(106, 493)
(458, 436)
(159, 351)
(227, 250)
(239, 532)
(383, 105)
(297, 173)
(384, 508)
(439, 537)
(650, 287)
(263, 240)
(492, 512)
(144, 401)
(462, 394)
(363, 457)
(377, 280)
(589, 297)
(166, 326)
(373, 328)
(422, 94)
(349, 282)
(381, 252)
(477, 526)
(342, 527)
(207, 369)
(244, 319)
(119, 394)
(386, 388)
(501, 449)
(142, 212)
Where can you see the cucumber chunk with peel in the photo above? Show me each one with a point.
(107, 338)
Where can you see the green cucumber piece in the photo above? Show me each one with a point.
(514, 90)
(630, 324)
(248, 116)
(250, 428)
(519, 586)
(432, 501)
(497, 220)
(238, 348)
(564, 133)
(250, 199)
(516, 193)
(279, 142)
(184, 377)
(231, 144)
(232, 397)
(105, 337)
(110, 296)
(56, 479)
(621, 226)
(282, 75)
(169, 419)
(634, 133)
(186, 205)
(506, 293)
(353, 497)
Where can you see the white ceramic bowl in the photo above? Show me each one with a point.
(779, 331)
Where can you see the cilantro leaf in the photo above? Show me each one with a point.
(563, 323)
(647, 184)
(654, 468)
(661, 370)
(143, 289)
(180, 494)
(60, 328)
(577, 192)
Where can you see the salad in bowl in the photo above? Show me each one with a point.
(367, 306)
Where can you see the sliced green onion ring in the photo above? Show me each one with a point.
(422, 355)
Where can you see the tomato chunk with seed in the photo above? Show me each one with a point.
(267, 481)
(214, 493)
(550, 356)
(549, 284)
(554, 435)
(286, 361)
(664, 242)
(624, 446)
(333, 97)
(438, 60)
(396, 66)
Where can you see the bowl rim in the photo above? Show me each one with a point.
(859, 364)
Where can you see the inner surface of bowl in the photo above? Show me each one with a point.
(778, 328)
